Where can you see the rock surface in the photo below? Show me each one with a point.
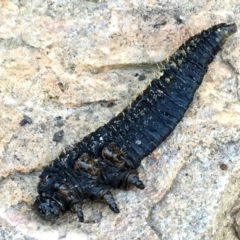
(84, 61)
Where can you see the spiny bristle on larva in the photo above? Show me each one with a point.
(168, 80)
(179, 61)
(149, 79)
(63, 150)
(71, 144)
(160, 66)
(157, 74)
(139, 92)
(190, 32)
(173, 64)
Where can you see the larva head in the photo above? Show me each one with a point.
(225, 30)
(47, 208)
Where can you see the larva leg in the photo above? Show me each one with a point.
(77, 208)
(108, 198)
(134, 180)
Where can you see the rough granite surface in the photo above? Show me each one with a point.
(85, 61)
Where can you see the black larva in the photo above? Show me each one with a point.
(108, 158)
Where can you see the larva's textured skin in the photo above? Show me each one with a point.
(109, 157)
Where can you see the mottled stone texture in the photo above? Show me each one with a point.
(85, 61)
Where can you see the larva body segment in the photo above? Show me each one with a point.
(109, 157)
